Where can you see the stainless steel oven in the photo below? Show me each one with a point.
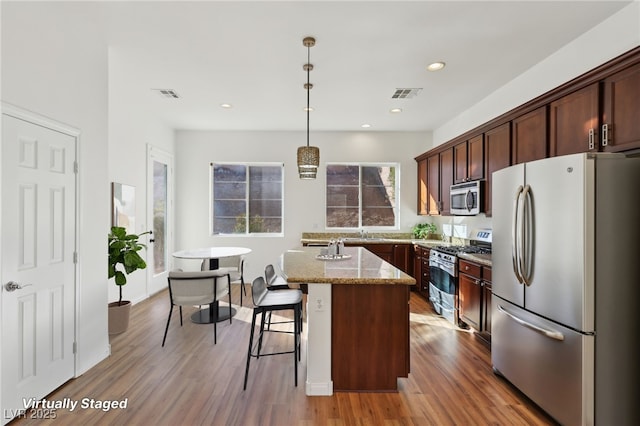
(443, 269)
(443, 283)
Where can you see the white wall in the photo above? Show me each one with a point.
(131, 128)
(58, 69)
(304, 200)
(616, 35)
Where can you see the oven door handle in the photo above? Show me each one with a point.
(514, 236)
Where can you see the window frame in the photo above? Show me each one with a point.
(360, 165)
(248, 165)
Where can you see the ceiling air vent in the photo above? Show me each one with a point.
(167, 93)
(405, 93)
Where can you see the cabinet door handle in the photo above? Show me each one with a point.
(466, 267)
(605, 134)
(591, 138)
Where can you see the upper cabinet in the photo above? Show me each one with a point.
(446, 180)
(598, 111)
(468, 158)
(530, 136)
(574, 122)
(497, 154)
(423, 208)
(432, 200)
(620, 128)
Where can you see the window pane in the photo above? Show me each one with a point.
(342, 218)
(254, 189)
(230, 172)
(229, 225)
(341, 196)
(159, 216)
(361, 196)
(378, 196)
(343, 175)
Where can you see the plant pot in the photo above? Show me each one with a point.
(119, 317)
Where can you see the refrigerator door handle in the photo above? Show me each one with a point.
(556, 335)
(522, 253)
(514, 236)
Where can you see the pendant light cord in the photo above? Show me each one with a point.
(308, 89)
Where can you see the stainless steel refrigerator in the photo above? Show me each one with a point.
(566, 285)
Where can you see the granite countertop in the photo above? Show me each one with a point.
(483, 259)
(363, 267)
(322, 238)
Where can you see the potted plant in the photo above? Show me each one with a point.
(123, 260)
(424, 230)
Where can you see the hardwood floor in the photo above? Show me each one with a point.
(191, 381)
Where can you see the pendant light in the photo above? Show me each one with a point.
(308, 156)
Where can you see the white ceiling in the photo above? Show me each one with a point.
(250, 54)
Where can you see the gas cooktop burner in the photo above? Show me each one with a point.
(453, 250)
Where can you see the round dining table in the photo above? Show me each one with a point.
(212, 254)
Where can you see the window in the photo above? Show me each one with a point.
(360, 196)
(247, 190)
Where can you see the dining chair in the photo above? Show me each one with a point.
(197, 288)
(234, 266)
(264, 302)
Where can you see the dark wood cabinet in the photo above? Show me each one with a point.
(573, 122)
(433, 185)
(383, 251)
(530, 136)
(403, 257)
(423, 207)
(460, 162)
(446, 180)
(470, 300)
(399, 255)
(486, 306)
(475, 161)
(497, 155)
(597, 111)
(474, 297)
(620, 128)
(421, 269)
(468, 159)
(370, 336)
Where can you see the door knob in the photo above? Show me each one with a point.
(13, 286)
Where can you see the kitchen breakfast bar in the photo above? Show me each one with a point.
(357, 319)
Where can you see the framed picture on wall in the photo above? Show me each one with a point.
(123, 208)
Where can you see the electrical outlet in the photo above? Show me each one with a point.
(319, 304)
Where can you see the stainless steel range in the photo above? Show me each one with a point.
(443, 270)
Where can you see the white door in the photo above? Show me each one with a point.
(38, 268)
(160, 216)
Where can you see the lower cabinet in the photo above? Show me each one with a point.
(474, 297)
(399, 255)
(421, 270)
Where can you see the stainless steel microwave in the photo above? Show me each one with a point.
(466, 198)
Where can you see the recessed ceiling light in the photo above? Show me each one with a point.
(436, 66)
(226, 106)
(365, 126)
(395, 110)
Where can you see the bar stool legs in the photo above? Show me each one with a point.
(255, 352)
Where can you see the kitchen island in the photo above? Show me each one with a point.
(357, 320)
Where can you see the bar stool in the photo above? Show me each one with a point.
(264, 302)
